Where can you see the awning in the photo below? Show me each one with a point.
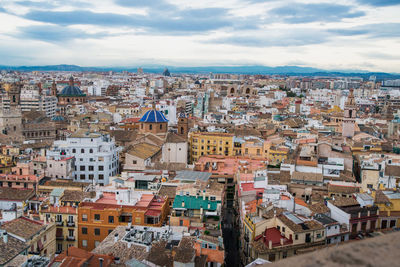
(153, 213)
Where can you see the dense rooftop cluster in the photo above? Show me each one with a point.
(136, 169)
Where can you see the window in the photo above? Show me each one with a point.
(160, 126)
(91, 176)
(73, 150)
(101, 176)
(97, 217)
(151, 127)
(283, 229)
(84, 217)
(84, 230)
(111, 219)
(83, 177)
(96, 243)
(71, 232)
(134, 162)
(58, 218)
(91, 168)
(91, 150)
(82, 150)
(101, 168)
(296, 237)
(109, 231)
(44, 238)
(96, 231)
(82, 168)
(84, 243)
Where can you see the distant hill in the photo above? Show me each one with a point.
(280, 70)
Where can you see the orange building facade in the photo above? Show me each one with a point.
(96, 220)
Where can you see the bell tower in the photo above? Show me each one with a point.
(183, 125)
(54, 89)
(350, 115)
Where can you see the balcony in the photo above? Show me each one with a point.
(71, 224)
(59, 238)
(246, 238)
(59, 223)
(70, 238)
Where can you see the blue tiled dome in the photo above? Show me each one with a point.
(71, 89)
(58, 118)
(153, 116)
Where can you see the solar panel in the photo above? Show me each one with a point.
(293, 218)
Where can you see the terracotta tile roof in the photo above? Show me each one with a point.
(174, 138)
(7, 193)
(11, 249)
(344, 201)
(23, 227)
(144, 150)
(185, 252)
(166, 190)
(381, 198)
(318, 208)
(307, 176)
(74, 195)
(332, 188)
(159, 255)
(392, 170)
(77, 257)
(303, 227)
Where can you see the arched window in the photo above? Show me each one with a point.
(82, 150)
(151, 127)
(73, 150)
(248, 91)
(232, 90)
(182, 130)
(14, 99)
(91, 151)
(160, 126)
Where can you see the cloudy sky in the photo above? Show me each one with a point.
(341, 34)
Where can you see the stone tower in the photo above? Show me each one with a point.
(349, 119)
(183, 125)
(54, 89)
(14, 94)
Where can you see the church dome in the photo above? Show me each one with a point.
(71, 89)
(58, 118)
(153, 116)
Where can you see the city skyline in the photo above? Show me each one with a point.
(359, 34)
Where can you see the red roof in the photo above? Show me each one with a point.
(274, 235)
(153, 213)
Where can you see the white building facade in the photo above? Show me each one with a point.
(96, 156)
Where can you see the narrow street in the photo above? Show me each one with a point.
(231, 242)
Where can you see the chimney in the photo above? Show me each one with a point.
(101, 262)
(5, 237)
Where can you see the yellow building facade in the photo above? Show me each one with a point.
(203, 144)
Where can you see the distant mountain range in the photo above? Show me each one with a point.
(281, 70)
